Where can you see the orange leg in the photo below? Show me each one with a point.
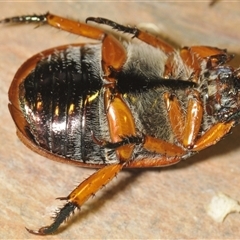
(80, 195)
(162, 147)
(113, 53)
(162, 161)
(192, 62)
(61, 23)
(154, 41)
(175, 115)
(194, 56)
(193, 120)
(206, 51)
(213, 135)
(185, 128)
(120, 122)
(187, 136)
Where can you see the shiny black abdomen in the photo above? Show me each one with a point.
(56, 102)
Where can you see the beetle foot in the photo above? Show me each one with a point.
(26, 19)
(114, 145)
(62, 198)
(114, 25)
(62, 215)
(42, 231)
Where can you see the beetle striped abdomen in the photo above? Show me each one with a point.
(55, 99)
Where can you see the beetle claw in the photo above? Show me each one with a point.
(62, 198)
(39, 232)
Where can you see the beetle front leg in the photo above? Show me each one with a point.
(194, 56)
(186, 128)
(80, 195)
(213, 135)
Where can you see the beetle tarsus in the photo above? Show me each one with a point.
(60, 217)
(125, 141)
(62, 198)
(26, 19)
(114, 25)
(38, 232)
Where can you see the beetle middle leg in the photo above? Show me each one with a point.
(59, 22)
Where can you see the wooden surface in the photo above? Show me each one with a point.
(160, 203)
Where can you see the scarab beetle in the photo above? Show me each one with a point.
(119, 103)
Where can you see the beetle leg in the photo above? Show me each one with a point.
(162, 161)
(59, 22)
(120, 122)
(148, 161)
(159, 146)
(124, 141)
(151, 144)
(193, 120)
(192, 62)
(175, 115)
(80, 195)
(194, 56)
(113, 53)
(206, 52)
(213, 135)
(143, 36)
(113, 57)
(184, 128)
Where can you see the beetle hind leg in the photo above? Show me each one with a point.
(143, 36)
(65, 24)
(26, 19)
(80, 195)
(61, 216)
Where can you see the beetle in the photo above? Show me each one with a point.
(120, 104)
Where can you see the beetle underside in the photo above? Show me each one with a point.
(113, 105)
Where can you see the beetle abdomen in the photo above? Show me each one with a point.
(56, 97)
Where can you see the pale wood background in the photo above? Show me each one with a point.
(160, 203)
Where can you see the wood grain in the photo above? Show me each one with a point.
(159, 203)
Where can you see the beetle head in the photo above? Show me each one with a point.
(223, 93)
